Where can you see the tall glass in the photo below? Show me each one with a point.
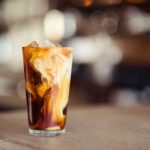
(47, 70)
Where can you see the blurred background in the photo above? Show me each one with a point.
(110, 40)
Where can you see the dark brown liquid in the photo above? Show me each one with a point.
(47, 84)
(35, 104)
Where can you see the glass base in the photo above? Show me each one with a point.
(46, 132)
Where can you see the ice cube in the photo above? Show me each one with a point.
(46, 44)
(33, 44)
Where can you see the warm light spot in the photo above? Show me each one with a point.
(88, 2)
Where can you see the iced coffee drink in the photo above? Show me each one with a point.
(47, 69)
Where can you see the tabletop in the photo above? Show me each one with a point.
(89, 128)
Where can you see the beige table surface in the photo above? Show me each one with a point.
(90, 128)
